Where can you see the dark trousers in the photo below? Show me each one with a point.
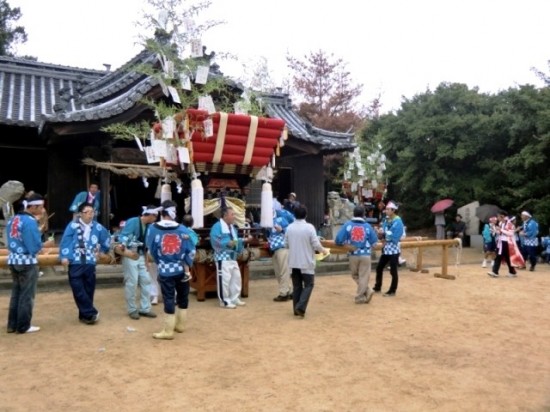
(503, 254)
(23, 291)
(530, 253)
(382, 263)
(174, 292)
(302, 284)
(82, 281)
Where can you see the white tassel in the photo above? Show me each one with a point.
(157, 190)
(197, 203)
(165, 192)
(267, 206)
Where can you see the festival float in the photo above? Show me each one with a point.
(221, 153)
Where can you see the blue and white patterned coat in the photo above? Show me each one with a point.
(73, 243)
(546, 244)
(393, 231)
(82, 197)
(219, 240)
(359, 234)
(169, 244)
(24, 239)
(276, 240)
(531, 231)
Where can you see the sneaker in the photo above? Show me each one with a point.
(531, 269)
(149, 314)
(33, 329)
(376, 290)
(10, 330)
(369, 297)
(228, 306)
(512, 275)
(134, 315)
(493, 274)
(239, 302)
(281, 298)
(90, 321)
(484, 264)
(389, 294)
(154, 300)
(299, 312)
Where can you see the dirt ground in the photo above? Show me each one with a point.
(470, 344)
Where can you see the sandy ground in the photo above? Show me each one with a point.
(470, 344)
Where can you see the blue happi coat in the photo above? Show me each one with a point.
(169, 244)
(220, 235)
(79, 250)
(24, 239)
(276, 240)
(393, 232)
(82, 197)
(359, 234)
(531, 231)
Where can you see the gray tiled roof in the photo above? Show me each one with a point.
(112, 94)
(34, 93)
(29, 90)
(279, 105)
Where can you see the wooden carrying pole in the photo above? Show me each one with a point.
(411, 244)
(52, 259)
(45, 251)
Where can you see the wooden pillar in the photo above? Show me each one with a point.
(444, 263)
(105, 186)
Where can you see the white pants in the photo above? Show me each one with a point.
(154, 287)
(228, 278)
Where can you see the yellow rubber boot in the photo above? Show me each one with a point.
(168, 331)
(181, 319)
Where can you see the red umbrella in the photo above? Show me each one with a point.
(441, 205)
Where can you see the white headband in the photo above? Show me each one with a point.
(154, 211)
(391, 205)
(32, 203)
(171, 211)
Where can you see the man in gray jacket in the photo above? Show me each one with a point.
(302, 242)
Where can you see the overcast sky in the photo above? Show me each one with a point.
(393, 47)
